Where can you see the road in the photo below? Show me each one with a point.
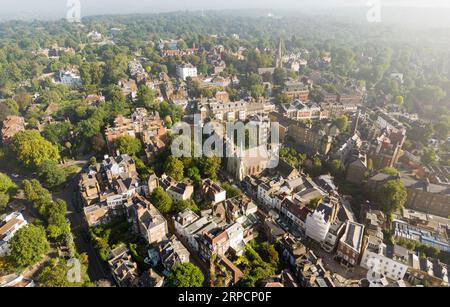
(97, 269)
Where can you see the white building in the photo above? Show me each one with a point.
(317, 226)
(236, 237)
(69, 78)
(189, 226)
(186, 70)
(8, 228)
(388, 261)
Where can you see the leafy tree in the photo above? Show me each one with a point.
(114, 93)
(186, 204)
(28, 245)
(32, 149)
(342, 123)
(145, 97)
(391, 196)
(399, 100)
(174, 168)
(389, 171)
(282, 98)
(194, 173)
(337, 168)
(210, 167)
(429, 156)
(161, 200)
(51, 174)
(279, 75)
(127, 144)
(37, 195)
(7, 186)
(442, 128)
(185, 275)
(231, 190)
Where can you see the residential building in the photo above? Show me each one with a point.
(129, 88)
(185, 71)
(389, 261)
(123, 269)
(148, 221)
(190, 227)
(9, 225)
(10, 127)
(69, 78)
(351, 246)
(212, 191)
(172, 252)
(318, 222)
(296, 90)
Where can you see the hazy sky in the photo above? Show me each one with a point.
(58, 8)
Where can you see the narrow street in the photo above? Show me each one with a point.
(97, 269)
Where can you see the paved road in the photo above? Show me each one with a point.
(97, 269)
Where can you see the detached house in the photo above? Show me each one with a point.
(8, 227)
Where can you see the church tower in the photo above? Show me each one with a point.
(279, 60)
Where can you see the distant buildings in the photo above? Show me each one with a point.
(148, 128)
(296, 90)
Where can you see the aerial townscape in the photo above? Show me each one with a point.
(92, 194)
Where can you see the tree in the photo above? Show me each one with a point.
(114, 93)
(282, 98)
(7, 186)
(145, 97)
(429, 156)
(28, 245)
(185, 275)
(31, 149)
(337, 168)
(194, 173)
(174, 168)
(279, 75)
(391, 196)
(442, 128)
(185, 204)
(342, 123)
(52, 175)
(210, 167)
(37, 195)
(127, 144)
(161, 200)
(231, 190)
(399, 100)
(56, 219)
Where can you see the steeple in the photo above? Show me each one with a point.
(279, 61)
